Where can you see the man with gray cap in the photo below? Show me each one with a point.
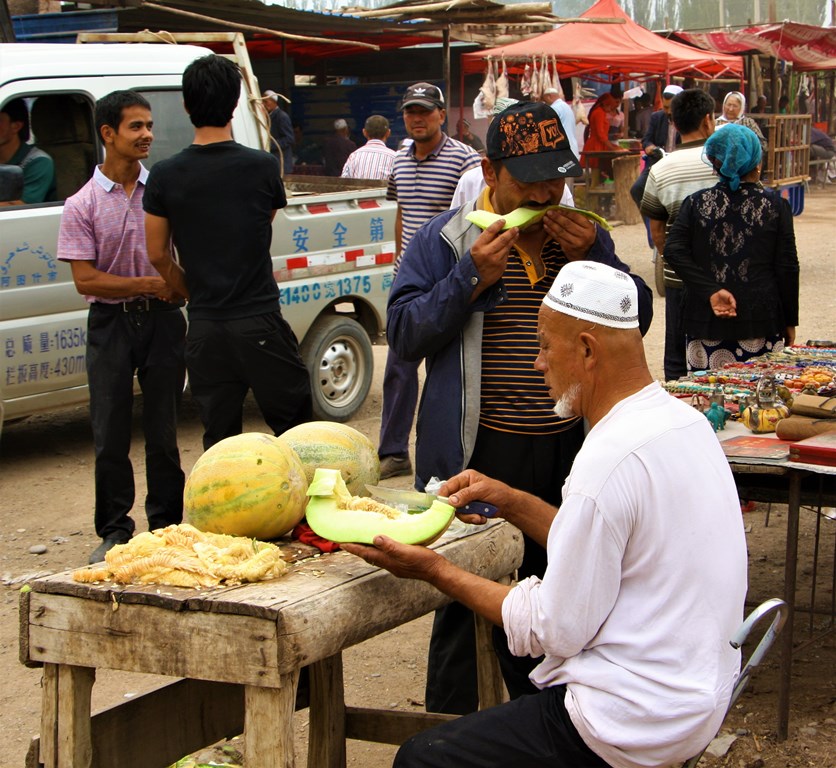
(467, 301)
(641, 593)
(423, 180)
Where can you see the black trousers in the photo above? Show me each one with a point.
(227, 358)
(530, 732)
(538, 464)
(148, 343)
(674, 358)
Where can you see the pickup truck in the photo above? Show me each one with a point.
(332, 248)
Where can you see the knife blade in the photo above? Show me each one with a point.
(424, 500)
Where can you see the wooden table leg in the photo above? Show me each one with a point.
(790, 569)
(268, 724)
(489, 675)
(65, 717)
(326, 741)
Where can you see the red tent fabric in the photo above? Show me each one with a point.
(625, 50)
(805, 46)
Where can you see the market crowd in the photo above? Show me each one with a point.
(613, 643)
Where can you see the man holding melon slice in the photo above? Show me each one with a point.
(645, 581)
(467, 300)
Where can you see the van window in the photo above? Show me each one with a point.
(172, 128)
(61, 125)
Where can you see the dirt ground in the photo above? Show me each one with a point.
(46, 498)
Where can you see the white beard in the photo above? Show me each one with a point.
(564, 406)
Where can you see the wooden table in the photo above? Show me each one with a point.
(625, 171)
(781, 482)
(239, 652)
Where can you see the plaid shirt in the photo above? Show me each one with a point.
(371, 161)
(102, 224)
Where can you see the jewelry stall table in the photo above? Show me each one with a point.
(238, 651)
(786, 482)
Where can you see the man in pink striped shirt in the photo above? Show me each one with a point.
(374, 159)
(134, 326)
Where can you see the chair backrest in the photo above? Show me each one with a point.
(779, 610)
(64, 130)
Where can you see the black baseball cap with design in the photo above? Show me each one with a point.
(528, 138)
(424, 95)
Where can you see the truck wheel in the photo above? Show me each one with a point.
(338, 355)
(659, 272)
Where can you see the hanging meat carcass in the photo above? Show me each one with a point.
(525, 83)
(577, 104)
(545, 75)
(536, 88)
(502, 82)
(556, 80)
(488, 87)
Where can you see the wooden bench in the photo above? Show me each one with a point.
(239, 651)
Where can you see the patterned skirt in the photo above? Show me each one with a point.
(711, 354)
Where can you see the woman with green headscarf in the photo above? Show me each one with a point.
(733, 245)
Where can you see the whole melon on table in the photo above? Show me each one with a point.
(331, 445)
(251, 484)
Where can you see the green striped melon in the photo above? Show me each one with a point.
(332, 445)
(247, 485)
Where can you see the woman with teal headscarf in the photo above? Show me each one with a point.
(733, 245)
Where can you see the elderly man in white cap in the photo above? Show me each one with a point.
(645, 580)
(281, 130)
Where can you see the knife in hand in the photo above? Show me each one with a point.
(425, 500)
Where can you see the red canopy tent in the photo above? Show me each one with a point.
(808, 48)
(625, 50)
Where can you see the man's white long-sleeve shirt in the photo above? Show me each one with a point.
(644, 588)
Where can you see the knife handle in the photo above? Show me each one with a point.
(480, 508)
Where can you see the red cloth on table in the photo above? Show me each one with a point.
(305, 534)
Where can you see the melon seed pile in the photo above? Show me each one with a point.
(182, 556)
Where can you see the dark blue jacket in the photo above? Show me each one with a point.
(657, 131)
(430, 317)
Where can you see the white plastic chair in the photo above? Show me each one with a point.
(779, 610)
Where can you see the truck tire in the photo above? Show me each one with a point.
(338, 355)
(659, 272)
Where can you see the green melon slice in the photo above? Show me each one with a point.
(523, 217)
(328, 515)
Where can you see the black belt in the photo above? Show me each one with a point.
(138, 305)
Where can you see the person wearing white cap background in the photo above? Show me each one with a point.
(282, 137)
(337, 149)
(553, 97)
(467, 301)
(645, 581)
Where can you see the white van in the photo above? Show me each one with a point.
(333, 245)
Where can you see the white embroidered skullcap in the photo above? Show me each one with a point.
(595, 292)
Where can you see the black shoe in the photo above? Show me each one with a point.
(394, 466)
(108, 543)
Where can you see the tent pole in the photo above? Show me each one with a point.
(461, 89)
(446, 63)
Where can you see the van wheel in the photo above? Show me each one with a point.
(659, 272)
(338, 355)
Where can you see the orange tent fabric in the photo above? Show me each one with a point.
(626, 51)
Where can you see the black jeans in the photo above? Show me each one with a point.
(674, 360)
(538, 464)
(530, 732)
(148, 343)
(226, 358)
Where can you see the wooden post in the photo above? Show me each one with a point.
(65, 717)
(625, 172)
(268, 724)
(326, 740)
(489, 675)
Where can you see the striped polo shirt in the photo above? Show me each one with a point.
(424, 188)
(371, 161)
(515, 397)
(100, 223)
(671, 180)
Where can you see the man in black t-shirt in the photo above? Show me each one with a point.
(216, 200)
